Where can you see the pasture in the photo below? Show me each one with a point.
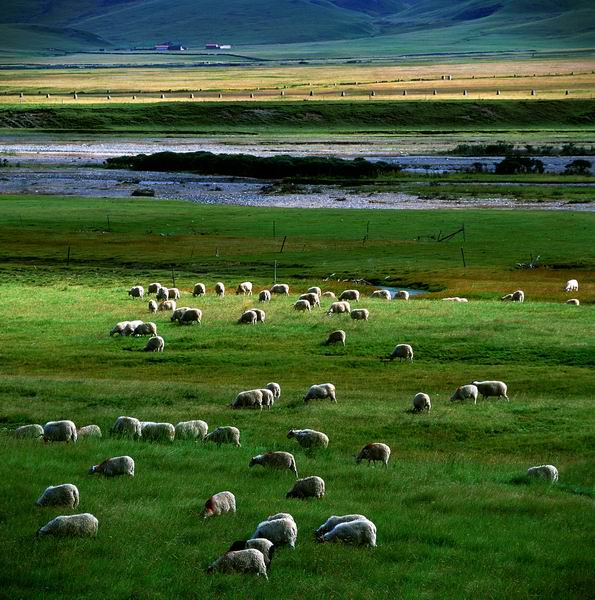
(452, 521)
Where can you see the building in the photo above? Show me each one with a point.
(167, 46)
(212, 46)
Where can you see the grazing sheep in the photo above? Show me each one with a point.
(491, 388)
(302, 305)
(153, 306)
(313, 299)
(315, 290)
(83, 525)
(167, 305)
(265, 546)
(349, 295)
(66, 494)
(177, 314)
(162, 294)
(360, 532)
(60, 431)
(309, 438)
(138, 291)
(280, 531)
(376, 452)
(225, 435)
(219, 504)
(571, 286)
(574, 301)
(260, 315)
(158, 432)
(275, 460)
(155, 344)
(244, 288)
(248, 399)
(402, 295)
(145, 329)
(93, 431)
(127, 426)
(28, 431)
(264, 296)
(547, 472)
(280, 288)
(191, 430)
(278, 516)
(220, 289)
(321, 391)
(383, 294)
(333, 521)
(518, 296)
(309, 487)
(421, 402)
(192, 315)
(132, 325)
(112, 467)
(154, 288)
(465, 391)
(173, 294)
(120, 328)
(268, 398)
(199, 289)
(339, 307)
(249, 317)
(275, 388)
(360, 314)
(336, 337)
(455, 299)
(402, 351)
(330, 295)
(240, 561)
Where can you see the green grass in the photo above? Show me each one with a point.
(451, 522)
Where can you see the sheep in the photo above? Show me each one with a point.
(178, 312)
(153, 306)
(330, 295)
(155, 344)
(264, 296)
(339, 307)
(547, 472)
(248, 399)
(145, 329)
(265, 546)
(260, 315)
(321, 391)
(138, 291)
(402, 295)
(315, 290)
(112, 467)
(376, 452)
(244, 288)
(268, 397)
(360, 532)
(154, 288)
(249, 318)
(309, 487)
(162, 294)
(280, 288)
(60, 431)
(167, 305)
(240, 561)
(120, 328)
(518, 296)
(465, 391)
(360, 314)
(349, 295)
(313, 299)
(173, 294)
(491, 388)
(455, 299)
(308, 438)
(402, 351)
(83, 525)
(220, 289)
(381, 294)
(158, 431)
(302, 306)
(280, 531)
(333, 521)
(574, 301)
(421, 402)
(93, 431)
(225, 435)
(66, 494)
(336, 337)
(127, 426)
(132, 325)
(192, 315)
(275, 388)
(275, 460)
(199, 289)
(28, 431)
(219, 504)
(191, 430)
(571, 286)
(278, 516)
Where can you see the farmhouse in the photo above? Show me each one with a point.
(165, 46)
(212, 46)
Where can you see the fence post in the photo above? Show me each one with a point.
(275, 271)
(283, 245)
(68, 257)
(463, 255)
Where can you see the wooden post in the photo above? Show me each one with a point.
(68, 257)
(283, 245)
(463, 255)
(275, 272)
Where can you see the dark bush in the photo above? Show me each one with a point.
(578, 167)
(514, 165)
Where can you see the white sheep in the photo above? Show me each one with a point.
(349, 295)
(178, 312)
(382, 294)
(120, 328)
(280, 531)
(66, 494)
(265, 546)
(402, 351)
(220, 289)
(138, 291)
(158, 431)
(260, 315)
(491, 388)
(421, 402)
(309, 438)
(330, 295)
(60, 431)
(376, 452)
(336, 337)
(154, 288)
(244, 288)
(145, 329)
(225, 435)
(455, 299)
(173, 294)
(280, 288)
(518, 296)
(333, 521)
(574, 301)
(248, 399)
(463, 392)
(83, 525)
(338, 308)
(302, 306)
(113, 467)
(321, 391)
(360, 532)
(315, 290)
(275, 460)
(312, 298)
(309, 487)
(547, 472)
(360, 314)
(162, 294)
(219, 504)
(249, 318)
(191, 430)
(153, 308)
(127, 426)
(571, 286)
(155, 344)
(28, 431)
(167, 305)
(132, 325)
(264, 296)
(192, 315)
(268, 398)
(92, 431)
(275, 388)
(402, 295)
(199, 289)
(249, 560)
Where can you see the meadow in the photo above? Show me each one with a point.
(454, 516)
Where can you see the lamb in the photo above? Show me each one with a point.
(249, 560)
(574, 301)
(244, 288)
(571, 286)
(421, 402)
(154, 288)
(336, 337)
(309, 438)
(158, 432)
(120, 328)
(112, 467)
(249, 318)
(280, 530)
(402, 351)
(275, 460)
(93, 431)
(275, 388)
(264, 296)
(360, 532)
(383, 294)
(265, 546)
(402, 295)
(60, 431)
(491, 388)
(339, 307)
(199, 289)
(191, 430)
(360, 314)
(268, 397)
(66, 494)
(225, 435)
(330, 295)
(155, 344)
(260, 315)
(220, 289)
(313, 299)
(162, 294)
(302, 306)
(321, 391)
(28, 431)
(547, 472)
(167, 305)
(465, 391)
(315, 290)
(145, 329)
(333, 521)
(248, 399)
(192, 315)
(219, 504)
(178, 312)
(83, 525)
(349, 295)
(280, 288)
(173, 294)
(153, 306)
(455, 299)
(309, 487)
(127, 426)
(138, 291)
(376, 452)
